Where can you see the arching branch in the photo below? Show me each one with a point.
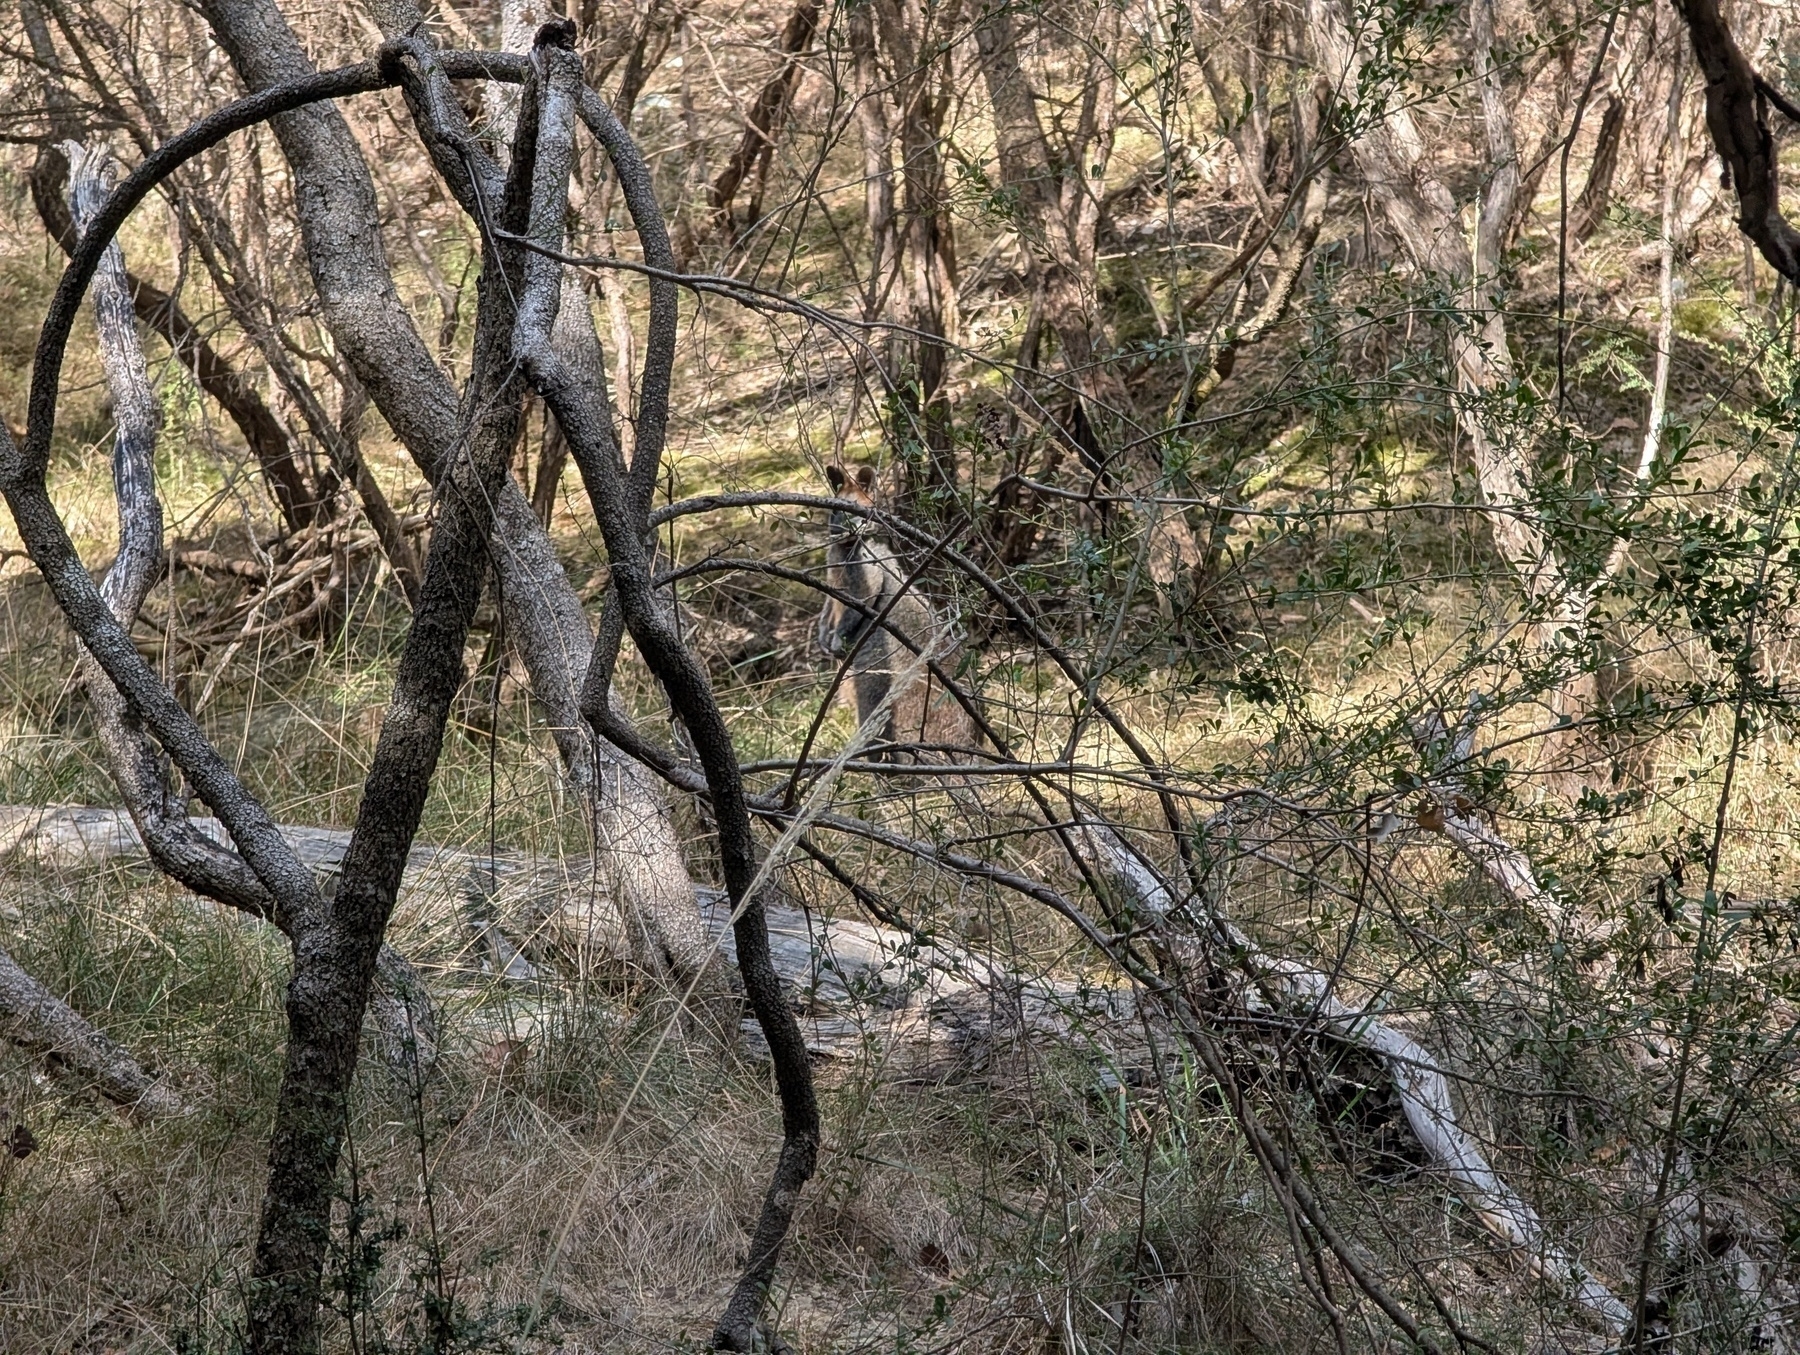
(621, 503)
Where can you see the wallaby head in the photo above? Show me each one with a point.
(858, 564)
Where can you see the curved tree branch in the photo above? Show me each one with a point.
(1737, 117)
(621, 502)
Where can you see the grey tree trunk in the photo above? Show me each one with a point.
(762, 125)
(626, 810)
(621, 497)
(335, 956)
(902, 54)
(1059, 209)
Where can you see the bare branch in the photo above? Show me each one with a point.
(1736, 117)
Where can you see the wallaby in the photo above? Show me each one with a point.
(862, 565)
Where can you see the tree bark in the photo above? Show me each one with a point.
(1391, 156)
(340, 224)
(1737, 101)
(880, 218)
(282, 465)
(1058, 196)
(139, 771)
(337, 941)
(762, 124)
(902, 57)
(267, 438)
(31, 1016)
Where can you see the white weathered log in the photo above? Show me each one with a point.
(1505, 866)
(1510, 871)
(864, 992)
(1302, 993)
(927, 1012)
(1703, 1233)
(1454, 816)
(1424, 1094)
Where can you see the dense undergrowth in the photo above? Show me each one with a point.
(579, 1170)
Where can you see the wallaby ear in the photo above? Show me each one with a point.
(834, 476)
(865, 480)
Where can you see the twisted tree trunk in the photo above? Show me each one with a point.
(339, 220)
(1737, 115)
(621, 497)
(334, 960)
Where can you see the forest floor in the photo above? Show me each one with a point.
(579, 1172)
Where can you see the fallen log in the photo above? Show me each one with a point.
(897, 1001)
(36, 1020)
(865, 993)
(1299, 994)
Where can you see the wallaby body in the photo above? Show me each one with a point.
(893, 685)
